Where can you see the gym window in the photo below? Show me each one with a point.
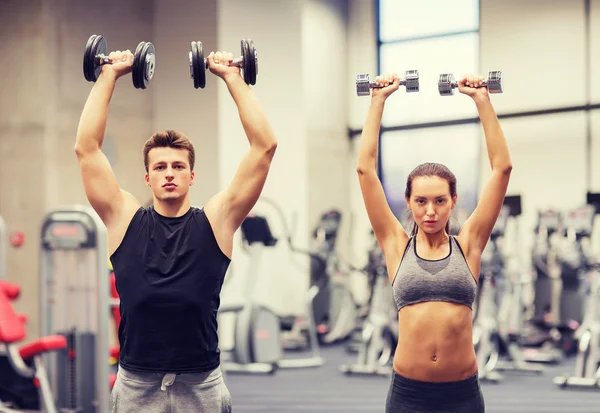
(433, 56)
(401, 20)
(434, 37)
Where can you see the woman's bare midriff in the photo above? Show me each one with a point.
(435, 342)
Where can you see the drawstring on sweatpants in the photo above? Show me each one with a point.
(167, 380)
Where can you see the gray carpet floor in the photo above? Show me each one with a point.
(325, 389)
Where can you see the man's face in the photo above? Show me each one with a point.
(169, 173)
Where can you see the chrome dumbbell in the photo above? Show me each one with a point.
(364, 85)
(447, 83)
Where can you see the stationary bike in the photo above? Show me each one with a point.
(333, 308)
(371, 270)
(512, 308)
(587, 365)
(257, 341)
(257, 345)
(379, 333)
(541, 338)
(485, 323)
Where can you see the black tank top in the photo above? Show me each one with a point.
(169, 273)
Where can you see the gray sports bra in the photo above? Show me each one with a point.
(448, 279)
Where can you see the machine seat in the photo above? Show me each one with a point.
(11, 290)
(42, 345)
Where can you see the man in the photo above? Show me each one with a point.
(170, 259)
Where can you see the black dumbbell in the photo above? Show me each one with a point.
(248, 62)
(95, 56)
(447, 83)
(364, 85)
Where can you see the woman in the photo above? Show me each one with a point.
(434, 275)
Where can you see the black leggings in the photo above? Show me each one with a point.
(407, 395)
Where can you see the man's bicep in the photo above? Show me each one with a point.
(247, 185)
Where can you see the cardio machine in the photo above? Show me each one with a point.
(333, 308)
(257, 338)
(371, 270)
(75, 303)
(587, 364)
(485, 323)
(560, 311)
(511, 311)
(496, 328)
(541, 338)
(379, 333)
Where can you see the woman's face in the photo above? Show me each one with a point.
(431, 203)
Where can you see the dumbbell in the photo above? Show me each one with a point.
(95, 56)
(248, 62)
(364, 85)
(447, 83)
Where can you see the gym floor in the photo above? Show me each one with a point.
(325, 389)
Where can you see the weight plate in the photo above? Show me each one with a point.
(253, 63)
(191, 61)
(193, 57)
(96, 45)
(88, 62)
(445, 84)
(362, 85)
(245, 60)
(199, 66)
(495, 82)
(100, 49)
(412, 81)
(148, 63)
(137, 70)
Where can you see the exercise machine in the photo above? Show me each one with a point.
(257, 336)
(334, 308)
(371, 269)
(379, 333)
(512, 307)
(587, 364)
(257, 347)
(562, 312)
(485, 323)
(75, 303)
(25, 361)
(496, 327)
(541, 336)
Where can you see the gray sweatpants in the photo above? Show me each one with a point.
(170, 393)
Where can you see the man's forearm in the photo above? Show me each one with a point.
(254, 120)
(92, 123)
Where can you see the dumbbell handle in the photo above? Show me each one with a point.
(102, 59)
(484, 83)
(375, 85)
(236, 62)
